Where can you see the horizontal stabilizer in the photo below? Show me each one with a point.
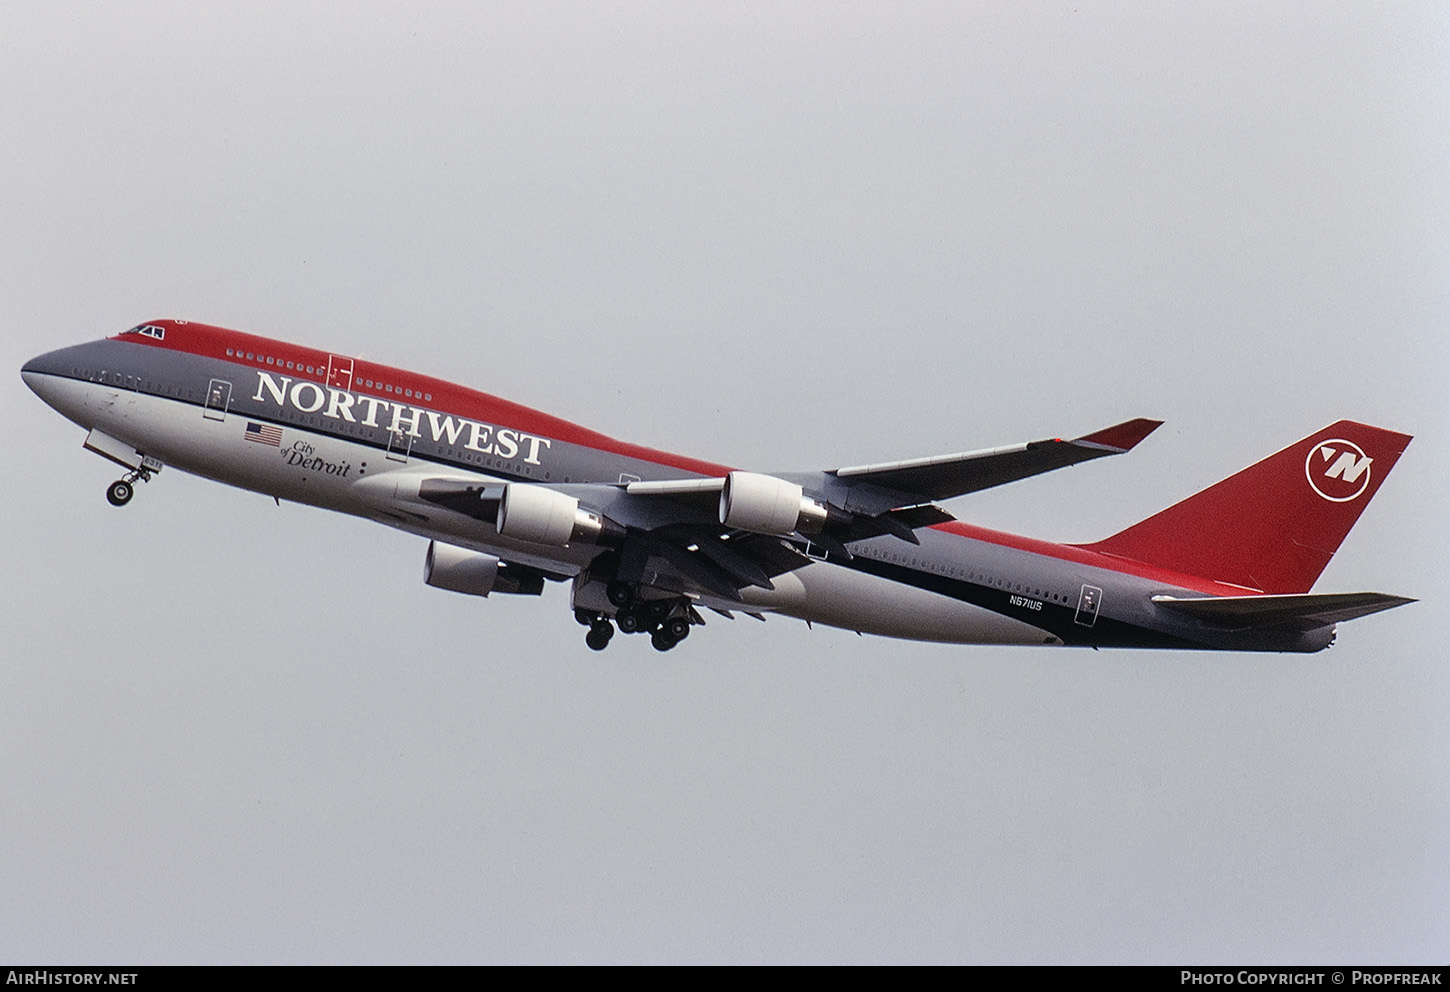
(945, 476)
(1302, 612)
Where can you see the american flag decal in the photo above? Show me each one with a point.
(265, 434)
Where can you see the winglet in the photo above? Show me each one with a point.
(1122, 437)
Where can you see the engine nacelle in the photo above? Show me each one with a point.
(541, 515)
(767, 505)
(475, 573)
(459, 569)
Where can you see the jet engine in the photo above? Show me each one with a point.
(767, 505)
(541, 515)
(477, 574)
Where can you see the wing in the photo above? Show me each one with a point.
(946, 476)
(682, 535)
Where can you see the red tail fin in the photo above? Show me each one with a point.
(1275, 525)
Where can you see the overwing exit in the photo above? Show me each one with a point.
(512, 500)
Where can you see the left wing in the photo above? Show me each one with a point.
(640, 539)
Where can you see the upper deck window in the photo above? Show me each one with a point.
(150, 330)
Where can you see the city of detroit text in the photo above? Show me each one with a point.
(310, 397)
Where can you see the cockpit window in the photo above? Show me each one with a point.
(150, 330)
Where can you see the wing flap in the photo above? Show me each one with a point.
(676, 487)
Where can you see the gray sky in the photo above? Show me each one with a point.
(780, 236)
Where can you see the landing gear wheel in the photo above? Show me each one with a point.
(678, 628)
(628, 623)
(119, 493)
(657, 609)
(598, 637)
(662, 640)
(619, 593)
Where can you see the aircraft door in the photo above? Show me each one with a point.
(1087, 605)
(339, 372)
(400, 443)
(218, 400)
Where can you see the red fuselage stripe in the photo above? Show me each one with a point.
(450, 398)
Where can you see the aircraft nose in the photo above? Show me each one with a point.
(44, 374)
(35, 370)
(31, 372)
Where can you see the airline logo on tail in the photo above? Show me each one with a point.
(1338, 470)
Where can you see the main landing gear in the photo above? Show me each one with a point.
(119, 493)
(667, 621)
(601, 631)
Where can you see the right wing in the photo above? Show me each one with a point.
(650, 528)
(945, 476)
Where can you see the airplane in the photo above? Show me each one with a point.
(511, 499)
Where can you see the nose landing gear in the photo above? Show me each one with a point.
(119, 493)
